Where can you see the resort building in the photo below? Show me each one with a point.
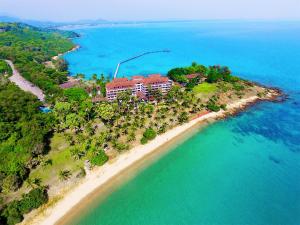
(138, 85)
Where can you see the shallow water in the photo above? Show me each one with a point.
(244, 170)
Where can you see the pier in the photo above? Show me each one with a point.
(138, 56)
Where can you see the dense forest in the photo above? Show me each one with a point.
(24, 129)
(29, 47)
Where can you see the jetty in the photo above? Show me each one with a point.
(138, 56)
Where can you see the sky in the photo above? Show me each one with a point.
(72, 10)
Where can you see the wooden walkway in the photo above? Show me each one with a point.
(24, 84)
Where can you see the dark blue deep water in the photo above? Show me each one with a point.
(244, 170)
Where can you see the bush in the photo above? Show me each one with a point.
(99, 158)
(213, 107)
(149, 134)
(11, 183)
(238, 87)
(33, 200)
(144, 141)
(11, 214)
(223, 106)
(13, 211)
(183, 117)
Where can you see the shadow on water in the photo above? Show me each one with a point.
(275, 160)
(273, 121)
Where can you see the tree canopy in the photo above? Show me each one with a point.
(29, 47)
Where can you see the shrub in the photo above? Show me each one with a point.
(213, 107)
(144, 141)
(183, 117)
(223, 106)
(149, 134)
(33, 200)
(238, 87)
(11, 183)
(13, 211)
(99, 158)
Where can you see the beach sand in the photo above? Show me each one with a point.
(99, 177)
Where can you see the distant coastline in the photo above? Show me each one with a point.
(75, 48)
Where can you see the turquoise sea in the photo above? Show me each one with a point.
(244, 170)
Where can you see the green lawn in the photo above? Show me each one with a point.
(61, 160)
(205, 88)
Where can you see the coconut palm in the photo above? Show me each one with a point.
(64, 174)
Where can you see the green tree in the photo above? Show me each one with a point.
(105, 111)
(150, 134)
(98, 157)
(183, 117)
(76, 94)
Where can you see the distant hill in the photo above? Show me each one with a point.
(8, 26)
(49, 24)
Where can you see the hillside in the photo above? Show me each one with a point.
(29, 47)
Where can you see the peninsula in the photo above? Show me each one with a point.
(96, 128)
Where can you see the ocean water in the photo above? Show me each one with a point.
(242, 170)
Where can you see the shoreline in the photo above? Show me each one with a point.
(99, 177)
(75, 48)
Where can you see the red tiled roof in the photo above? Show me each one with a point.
(155, 79)
(192, 76)
(137, 77)
(125, 83)
(118, 84)
(119, 80)
(154, 75)
(69, 84)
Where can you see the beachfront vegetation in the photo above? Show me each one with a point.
(148, 135)
(13, 212)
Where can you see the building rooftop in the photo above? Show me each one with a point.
(192, 76)
(70, 84)
(125, 83)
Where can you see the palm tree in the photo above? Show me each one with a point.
(35, 182)
(64, 174)
(29, 183)
(94, 77)
(47, 162)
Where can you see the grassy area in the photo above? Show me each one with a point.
(61, 159)
(205, 88)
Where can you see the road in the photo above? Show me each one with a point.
(24, 84)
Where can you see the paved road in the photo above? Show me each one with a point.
(24, 84)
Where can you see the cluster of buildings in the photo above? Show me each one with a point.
(139, 86)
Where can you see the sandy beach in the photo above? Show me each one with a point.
(100, 176)
(61, 54)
